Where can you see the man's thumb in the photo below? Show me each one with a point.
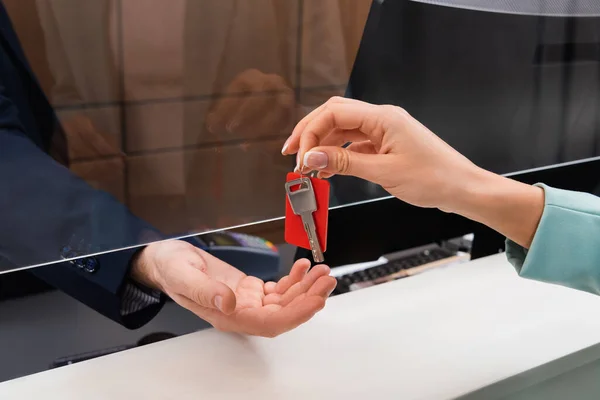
(340, 161)
(209, 293)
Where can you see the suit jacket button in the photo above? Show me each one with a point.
(90, 265)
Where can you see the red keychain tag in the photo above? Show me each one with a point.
(294, 228)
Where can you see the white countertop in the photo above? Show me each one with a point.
(433, 336)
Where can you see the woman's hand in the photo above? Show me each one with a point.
(390, 148)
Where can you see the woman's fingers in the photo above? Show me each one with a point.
(324, 175)
(337, 122)
(336, 138)
(292, 145)
(364, 147)
(341, 161)
(361, 117)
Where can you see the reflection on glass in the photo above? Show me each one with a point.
(173, 113)
(511, 85)
(170, 115)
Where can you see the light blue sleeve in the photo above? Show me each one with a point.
(566, 246)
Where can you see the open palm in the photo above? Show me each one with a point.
(232, 301)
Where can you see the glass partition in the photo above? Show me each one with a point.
(124, 122)
(170, 115)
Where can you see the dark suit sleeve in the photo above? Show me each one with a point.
(47, 213)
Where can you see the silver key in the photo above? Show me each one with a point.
(304, 204)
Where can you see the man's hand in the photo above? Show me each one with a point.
(226, 297)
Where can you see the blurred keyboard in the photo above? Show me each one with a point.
(398, 266)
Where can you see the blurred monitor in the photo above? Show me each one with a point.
(513, 85)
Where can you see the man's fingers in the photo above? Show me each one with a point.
(273, 298)
(297, 273)
(250, 292)
(198, 287)
(270, 287)
(283, 283)
(323, 287)
(304, 285)
(273, 320)
(268, 321)
(213, 294)
(288, 318)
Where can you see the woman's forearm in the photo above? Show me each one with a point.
(511, 208)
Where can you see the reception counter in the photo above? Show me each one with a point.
(474, 329)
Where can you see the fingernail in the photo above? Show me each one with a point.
(297, 169)
(285, 146)
(316, 160)
(219, 303)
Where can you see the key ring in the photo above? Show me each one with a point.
(311, 174)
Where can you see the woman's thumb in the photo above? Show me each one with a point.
(340, 161)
